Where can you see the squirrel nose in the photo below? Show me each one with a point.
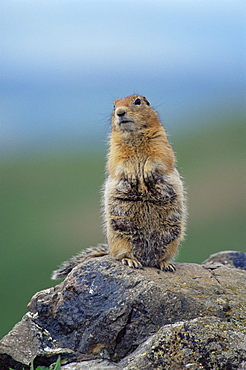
(120, 112)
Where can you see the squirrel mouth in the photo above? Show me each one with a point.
(125, 121)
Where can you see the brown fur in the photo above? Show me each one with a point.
(144, 203)
(143, 198)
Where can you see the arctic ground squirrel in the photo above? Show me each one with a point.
(144, 201)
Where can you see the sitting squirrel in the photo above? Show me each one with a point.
(144, 200)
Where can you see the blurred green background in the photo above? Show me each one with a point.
(62, 65)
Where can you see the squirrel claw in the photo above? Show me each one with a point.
(165, 266)
(132, 263)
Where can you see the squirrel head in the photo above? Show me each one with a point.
(134, 113)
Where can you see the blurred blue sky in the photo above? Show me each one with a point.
(63, 62)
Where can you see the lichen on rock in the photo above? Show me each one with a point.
(108, 316)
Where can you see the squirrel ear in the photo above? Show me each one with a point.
(146, 101)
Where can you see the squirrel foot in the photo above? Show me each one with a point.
(165, 266)
(132, 263)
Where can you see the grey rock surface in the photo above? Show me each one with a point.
(108, 316)
(227, 258)
(202, 343)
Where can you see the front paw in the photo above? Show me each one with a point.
(149, 175)
(130, 177)
(153, 172)
(149, 172)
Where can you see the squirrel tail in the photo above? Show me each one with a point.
(67, 266)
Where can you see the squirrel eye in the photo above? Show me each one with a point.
(137, 102)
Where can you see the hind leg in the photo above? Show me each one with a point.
(120, 248)
(170, 252)
(166, 266)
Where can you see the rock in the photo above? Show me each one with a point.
(27, 341)
(108, 316)
(227, 258)
(202, 343)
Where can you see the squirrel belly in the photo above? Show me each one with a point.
(144, 199)
(145, 225)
